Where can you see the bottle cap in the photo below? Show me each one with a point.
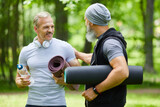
(19, 66)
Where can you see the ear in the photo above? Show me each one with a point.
(35, 29)
(91, 24)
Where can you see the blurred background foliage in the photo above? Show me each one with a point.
(137, 20)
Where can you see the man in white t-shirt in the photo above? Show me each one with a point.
(47, 90)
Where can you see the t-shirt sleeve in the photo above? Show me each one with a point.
(112, 48)
(70, 55)
(22, 57)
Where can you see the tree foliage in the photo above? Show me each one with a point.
(138, 20)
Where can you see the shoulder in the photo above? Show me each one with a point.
(66, 48)
(29, 47)
(112, 43)
(112, 48)
(27, 50)
(61, 43)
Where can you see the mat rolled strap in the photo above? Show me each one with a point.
(57, 65)
(96, 74)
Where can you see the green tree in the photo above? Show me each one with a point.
(148, 33)
(9, 42)
(14, 37)
(61, 23)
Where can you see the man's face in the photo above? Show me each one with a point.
(90, 35)
(45, 28)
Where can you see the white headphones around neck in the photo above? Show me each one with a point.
(45, 43)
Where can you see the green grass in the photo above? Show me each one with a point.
(143, 100)
(74, 99)
(13, 100)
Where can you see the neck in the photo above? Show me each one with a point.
(99, 30)
(40, 40)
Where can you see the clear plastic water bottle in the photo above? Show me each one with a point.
(24, 73)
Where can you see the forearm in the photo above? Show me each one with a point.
(60, 81)
(114, 79)
(84, 57)
(72, 87)
(119, 73)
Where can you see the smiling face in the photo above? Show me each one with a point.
(44, 29)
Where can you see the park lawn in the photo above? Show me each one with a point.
(74, 99)
(13, 100)
(143, 100)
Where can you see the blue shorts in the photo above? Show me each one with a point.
(42, 106)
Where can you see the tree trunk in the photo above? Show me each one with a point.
(61, 23)
(148, 32)
(2, 59)
(8, 39)
(14, 35)
(23, 27)
(3, 37)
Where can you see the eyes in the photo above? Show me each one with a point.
(48, 27)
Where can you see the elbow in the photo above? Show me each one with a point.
(124, 72)
(127, 74)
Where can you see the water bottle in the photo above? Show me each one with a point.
(24, 73)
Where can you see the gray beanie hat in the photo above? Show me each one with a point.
(98, 14)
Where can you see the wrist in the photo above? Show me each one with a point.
(77, 55)
(96, 91)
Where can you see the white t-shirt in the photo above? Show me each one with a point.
(44, 91)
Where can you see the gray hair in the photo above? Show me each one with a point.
(40, 15)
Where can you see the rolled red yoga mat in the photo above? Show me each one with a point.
(57, 65)
(96, 74)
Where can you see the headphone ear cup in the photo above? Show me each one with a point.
(37, 43)
(46, 44)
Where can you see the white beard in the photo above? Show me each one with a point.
(90, 35)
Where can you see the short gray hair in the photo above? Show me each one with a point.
(40, 15)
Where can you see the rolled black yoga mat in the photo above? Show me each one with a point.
(96, 74)
(57, 65)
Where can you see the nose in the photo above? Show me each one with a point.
(50, 29)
